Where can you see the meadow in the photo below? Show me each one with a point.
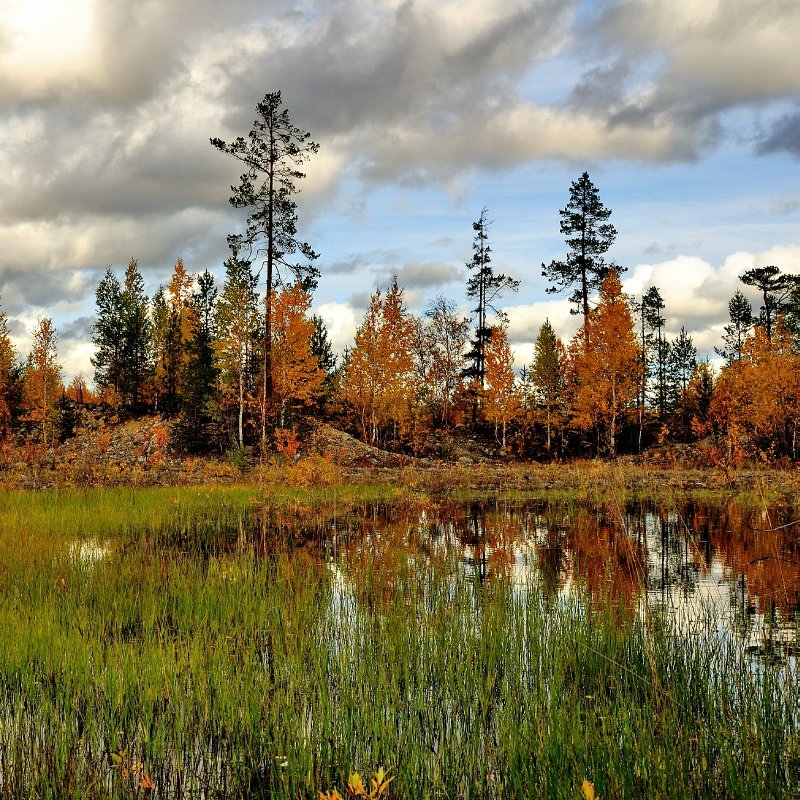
(271, 642)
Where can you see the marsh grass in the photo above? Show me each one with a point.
(153, 645)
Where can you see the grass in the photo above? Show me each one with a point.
(155, 644)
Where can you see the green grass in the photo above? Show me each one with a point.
(180, 646)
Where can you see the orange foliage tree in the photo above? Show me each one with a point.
(296, 374)
(378, 382)
(606, 363)
(756, 402)
(501, 400)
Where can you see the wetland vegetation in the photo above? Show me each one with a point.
(268, 642)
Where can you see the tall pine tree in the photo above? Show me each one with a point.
(589, 234)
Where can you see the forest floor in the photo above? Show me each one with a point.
(106, 451)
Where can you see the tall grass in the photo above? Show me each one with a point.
(164, 651)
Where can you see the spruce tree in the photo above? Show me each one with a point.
(136, 331)
(656, 343)
(741, 315)
(108, 335)
(322, 349)
(681, 366)
(200, 374)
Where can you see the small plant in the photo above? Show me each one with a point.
(241, 458)
(379, 787)
(287, 443)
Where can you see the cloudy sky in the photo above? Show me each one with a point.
(686, 115)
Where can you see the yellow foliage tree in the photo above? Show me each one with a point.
(378, 383)
(42, 386)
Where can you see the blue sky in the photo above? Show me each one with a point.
(685, 114)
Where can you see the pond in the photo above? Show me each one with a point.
(700, 564)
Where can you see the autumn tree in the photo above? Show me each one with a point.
(273, 153)
(606, 370)
(756, 404)
(741, 316)
(698, 396)
(589, 235)
(297, 376)
(8, 377)
(43, 387)
(485, 288)
(79, 391)
(546, 377)
(236, 321)
(378, 381)
(501, 399)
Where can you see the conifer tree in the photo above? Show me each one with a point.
(108, 336)
(681, 366)
(136, 338)
(485, 288)
(122, 337)
(321, 348)
(200, 374)
(741, 316)
(584, 222)
(656, 343)
(775, 291)
(273, 152)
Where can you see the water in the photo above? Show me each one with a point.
(697, 565)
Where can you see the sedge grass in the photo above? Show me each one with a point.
(174, 652)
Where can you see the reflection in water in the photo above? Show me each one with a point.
(698, 564)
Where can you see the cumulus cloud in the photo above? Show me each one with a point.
(106, 110)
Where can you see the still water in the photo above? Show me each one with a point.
(700, 565)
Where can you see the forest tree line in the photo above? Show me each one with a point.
(241, 365)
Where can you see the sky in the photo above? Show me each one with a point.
(686, 115)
